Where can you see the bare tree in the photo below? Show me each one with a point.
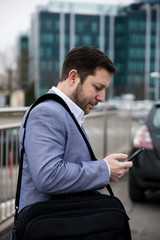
(8, 78)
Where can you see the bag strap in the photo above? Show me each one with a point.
(54, 97)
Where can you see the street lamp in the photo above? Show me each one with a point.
(156, 76)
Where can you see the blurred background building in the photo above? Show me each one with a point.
(23, 66)
(129, 35)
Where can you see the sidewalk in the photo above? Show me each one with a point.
(5, 234)
(5, 229)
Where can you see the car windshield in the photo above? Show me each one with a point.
(156, 119)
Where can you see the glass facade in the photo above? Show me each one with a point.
(120, 56)
(49, 36)
(23, 67)
(129, 36)
(136, 53)
(135, 50)
(130, 53)
(87, 30)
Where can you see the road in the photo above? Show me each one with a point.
(144, 217)
(8, 181)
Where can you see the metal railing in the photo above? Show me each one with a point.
(10, 119)
(108, 132)
(9, 152)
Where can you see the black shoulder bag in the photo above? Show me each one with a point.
(81, 216)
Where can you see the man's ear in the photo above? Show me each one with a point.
(73, 77)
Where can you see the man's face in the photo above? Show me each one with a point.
(92, 91)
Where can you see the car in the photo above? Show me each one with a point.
(145, 173)
(111, 108)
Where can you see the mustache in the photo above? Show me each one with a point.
(93, 103)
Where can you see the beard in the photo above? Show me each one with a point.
(78, 97)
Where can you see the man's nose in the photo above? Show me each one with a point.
(101, 96)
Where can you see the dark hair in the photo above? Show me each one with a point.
(86, 60)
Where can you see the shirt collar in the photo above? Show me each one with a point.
(77, 111)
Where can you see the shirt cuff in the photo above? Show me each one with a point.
(109, 170)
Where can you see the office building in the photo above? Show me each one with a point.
(137, 49)
(128, 35)
(23, 63)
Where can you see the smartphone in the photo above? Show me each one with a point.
(135, 154)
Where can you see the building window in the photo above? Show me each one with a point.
(132, 25)
(122, 54)
(77, 39)
(94, 27)
(49, 52)
(97, 42)
(47, 24)
(153, 39)
(57, 24)
(152, 67)
(80, 26)
(50, 65)
(87, 40)
(140, 66)
(152, 53)
(57, 65)
(120, 68)
(153, 26)
(57, 39)
(47, 38)
(142, 25)
(131, 52)
(42, 52)
(66, 39)
(131, 66)
(24, 44)
(43, 65)
(136, 53)
(137, 39)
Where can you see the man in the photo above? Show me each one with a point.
(56, 158)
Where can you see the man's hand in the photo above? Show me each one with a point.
(118, 169)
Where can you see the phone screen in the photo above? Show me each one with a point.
(135, 154)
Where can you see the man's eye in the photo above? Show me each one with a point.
(97, 88)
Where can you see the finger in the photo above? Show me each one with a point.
(126, 164)
(119, 156)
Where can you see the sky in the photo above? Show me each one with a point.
(15, 19)
(15, 16)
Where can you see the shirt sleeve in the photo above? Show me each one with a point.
(109, 170)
